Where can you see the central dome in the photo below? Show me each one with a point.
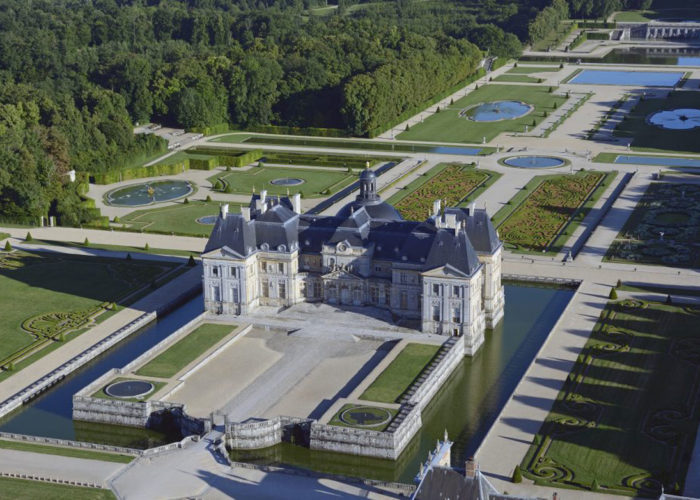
(370, 200)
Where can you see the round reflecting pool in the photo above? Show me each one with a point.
(129, 389)
(365, 416)
(534, 162)
(496, 111)
(676, 119)
(208, 220)
(148, 193)
(287, 181)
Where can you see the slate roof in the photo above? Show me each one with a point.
(443, 483)
(480, 230)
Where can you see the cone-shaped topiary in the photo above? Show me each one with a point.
(128, 256)
(619, 283)
(28, 237)
(191, 262)
(146, 247)
(613, 294)
(8, 247)
(86, 242)
(517, 475)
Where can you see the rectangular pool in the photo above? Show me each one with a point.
(688, 61)
(628, 78)
(662, 161)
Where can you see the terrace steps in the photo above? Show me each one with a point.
(427, 371)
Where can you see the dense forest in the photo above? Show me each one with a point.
(76, 75)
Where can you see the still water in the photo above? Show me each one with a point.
(469, 403)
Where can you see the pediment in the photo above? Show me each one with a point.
(446, 271)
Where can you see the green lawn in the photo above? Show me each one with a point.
(4, 236)
(21, 489)
(449, 126)
(118, 248)
(317, 183)
(642, 16)
(626, 416)
(517, 79)
(65, 451)
(647, 137)
(400, 374)
(364, 417)
(185, 350)
(453, 182)
(364, 144)
(180, 218)
(102, 393)
(610, 158)
(56, 294)
(528, 70)
(543, 216)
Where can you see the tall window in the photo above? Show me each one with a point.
(436, 312)
(455, 291)
(265, 288)
(317, 289)
(280, 267)
(374, 295)
(436, 289)
(215, 270)
(233, 271)
(456, 315)
(403, 277)
(403, 300)
(283, 290)
(216, 294)
(234, 294)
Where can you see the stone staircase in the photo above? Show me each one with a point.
(399, 418)
(427, 371)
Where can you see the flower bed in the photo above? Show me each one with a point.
(534, 224)
(452, 185)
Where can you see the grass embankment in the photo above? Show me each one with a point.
(117, 248)
(185, 350)
(180, 218)
(625, 422)
(448, 125)
(65, 451)
(453, 183)
(400, 374)
(20, 489)
(548, 210)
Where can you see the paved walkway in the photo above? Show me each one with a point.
(199, 471)
(58, 467)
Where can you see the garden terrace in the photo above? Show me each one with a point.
(449, 126)
(548, 209)
(317, 183)
(453, 182)
(104, 394)
(626, 418)
(648, 137)
(401, 373)
(359, 416)
(51, 298)
(671, 209)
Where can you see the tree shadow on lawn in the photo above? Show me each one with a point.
(102, 279)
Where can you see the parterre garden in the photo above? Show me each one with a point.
(449, 126)
(47, 298)
(664, 228)
(453, 183)
(648, 137)
(180, 218)
(626, 418)
(547, 210)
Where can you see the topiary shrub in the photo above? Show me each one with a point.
(595, 486)
(86, 242)
(668, 299)
(116, 219)
(186, 201)
(517, 475)
(191, 262)
(28, 237)
(613, 294)
(8, 247)
(407, 128)
(146, 247)
(228, 189)
(619, 283)
(128, 256)
(437, 110)
(208, 198)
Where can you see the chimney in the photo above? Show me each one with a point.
(224, 210)
(472, 209)
(263, 196)
(436, 208)
(451, 221)
(245, 211)
(296, 202)
(470, 468)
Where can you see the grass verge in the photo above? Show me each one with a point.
(65, 451)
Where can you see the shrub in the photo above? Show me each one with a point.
(515, 65)
(668, 299)
(186, 201)
(228, 168)
(551, 89)
(545, 114)
(260, 164)
(62, 338)
(11, 366)
(534, 122)
(191, 262)
(595, 486)
(437, 110)
(86, 242)
(619, 283)
(408, 127)
(146, 247)
(128, 256)
(8, 247)
(28, 237)
(228, 189)
(561, 66)
(555, 105)
(613, 294)
(517, 475)
(208, 198)
(452, 101)
(116, 219)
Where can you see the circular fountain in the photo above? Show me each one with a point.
(534, 162)
(129, 389)
(148, 193)
(676, 119)
(497, 111)
(287, 181)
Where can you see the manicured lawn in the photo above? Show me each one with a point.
(611, 157)
(119, 248)
(185, 350)
(16, 489)
(4, 236)
(453, 182)
(102, 393)
(517, 79)
(316, 183)
(65, 452)
(627, 414)
(648, 137)
(45, 296)
(400, 374)
(449, 126)
(669, 208)
(528, 70)
(641, 16)
(180, 218)
(535, 216)
(364, 417)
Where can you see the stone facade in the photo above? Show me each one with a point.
(444, 273)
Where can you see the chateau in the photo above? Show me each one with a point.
(444, 273)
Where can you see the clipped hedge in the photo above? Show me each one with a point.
(204, 163)
(212, 129)
(142, 172)
(287, 130)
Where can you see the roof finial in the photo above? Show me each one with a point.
(253, 189)
(367, 164)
